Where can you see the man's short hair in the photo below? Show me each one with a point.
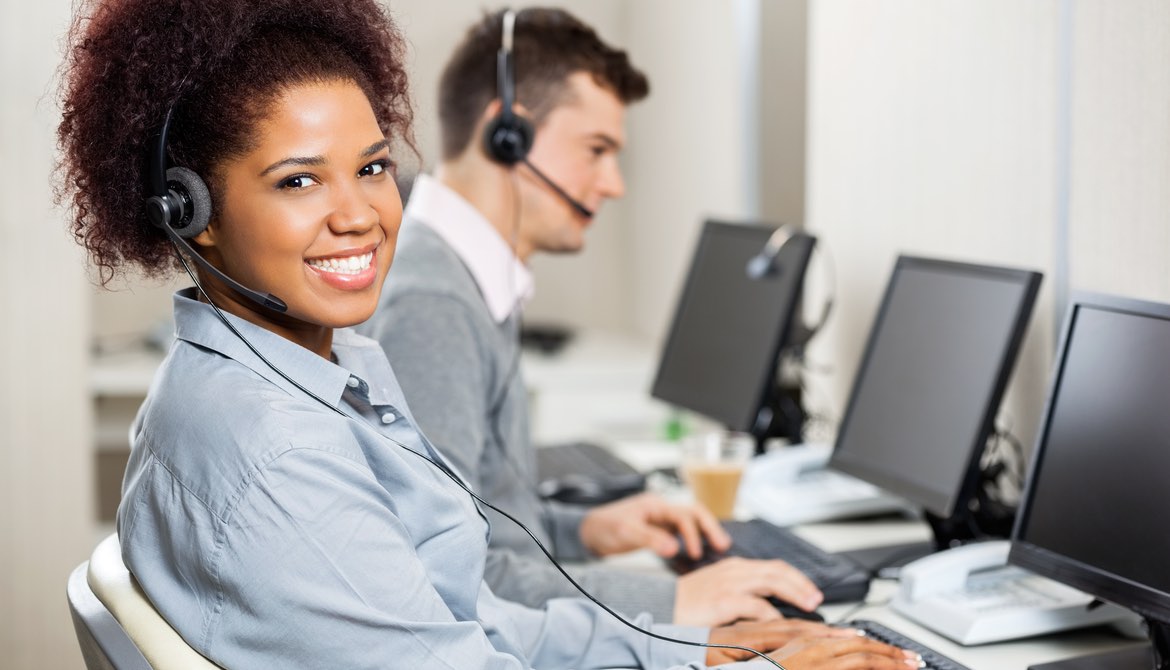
(548, 46)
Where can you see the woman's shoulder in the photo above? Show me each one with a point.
(214, 422)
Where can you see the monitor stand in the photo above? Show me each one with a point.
(1155, 656)
(780, 415)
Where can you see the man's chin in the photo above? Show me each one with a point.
(565, 246)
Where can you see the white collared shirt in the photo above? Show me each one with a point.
(505, 282)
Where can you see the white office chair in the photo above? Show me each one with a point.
(117, 627)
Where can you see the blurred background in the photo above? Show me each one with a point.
(1031, 134)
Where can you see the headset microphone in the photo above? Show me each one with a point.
(180, 205)
(573, 202)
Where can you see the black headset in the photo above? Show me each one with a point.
(508, 137)
(180, 204)
(767, 264)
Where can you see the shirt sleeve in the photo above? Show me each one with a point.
(624, 591)
(316, 571)
(613, 644)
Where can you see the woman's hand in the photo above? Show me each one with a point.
(766, 636)
(805, 645)
(856, 653)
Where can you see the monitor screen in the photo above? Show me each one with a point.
(721, 353)
(929, 384)
(1097, 504)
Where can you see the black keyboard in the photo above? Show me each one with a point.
(838, 578)
(933, 659)
(579, 458)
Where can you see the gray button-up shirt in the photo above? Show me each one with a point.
(273, 532)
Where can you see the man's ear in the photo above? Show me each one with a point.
(493, 110)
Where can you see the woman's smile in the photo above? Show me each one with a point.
(347, 271)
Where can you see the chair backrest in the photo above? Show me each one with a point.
(117, 626)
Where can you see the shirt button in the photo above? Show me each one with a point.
(352, 382)
(389, 417)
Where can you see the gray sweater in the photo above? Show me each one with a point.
(460, 372)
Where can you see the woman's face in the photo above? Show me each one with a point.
(310, 214)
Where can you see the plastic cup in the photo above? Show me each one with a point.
(712, 466)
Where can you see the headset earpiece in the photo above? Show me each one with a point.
(179, 200)
(508, 137)
(190, 189)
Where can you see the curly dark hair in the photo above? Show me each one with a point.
(218, 64)
(548, 45)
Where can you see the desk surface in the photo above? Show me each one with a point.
(842, 536)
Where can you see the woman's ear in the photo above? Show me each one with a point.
(207, 238)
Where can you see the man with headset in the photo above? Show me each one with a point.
(532, 107)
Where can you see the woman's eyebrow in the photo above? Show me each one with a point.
(293, 160)
(320, 160)
(375, 147)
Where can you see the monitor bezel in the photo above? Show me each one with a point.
(1145, 600)
(892, 481)
(767, 372)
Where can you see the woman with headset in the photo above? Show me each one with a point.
(279, 508)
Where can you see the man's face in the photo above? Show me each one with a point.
(577, 147)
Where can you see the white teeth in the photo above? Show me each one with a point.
(349, 265)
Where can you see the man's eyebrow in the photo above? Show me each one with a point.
(608, 140)
(318, 160)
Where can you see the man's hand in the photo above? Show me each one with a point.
(804, 645)
(646, 521)
(735, 588)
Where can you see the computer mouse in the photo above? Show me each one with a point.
(582, 490)
(790, 611)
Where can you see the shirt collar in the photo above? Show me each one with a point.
(358, 357)
(505, 282)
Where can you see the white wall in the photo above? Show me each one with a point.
(1119, 214)
(1031, 134)
(685, 161)
(932, 131)
(46, 480)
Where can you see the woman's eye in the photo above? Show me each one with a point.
(375, 168)
(598, 151)
(297, 181)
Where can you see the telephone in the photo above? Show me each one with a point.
(791, 485)
(971, 595)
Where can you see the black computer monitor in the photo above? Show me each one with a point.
(1096, 508)
(721, 354)
(928, 387)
